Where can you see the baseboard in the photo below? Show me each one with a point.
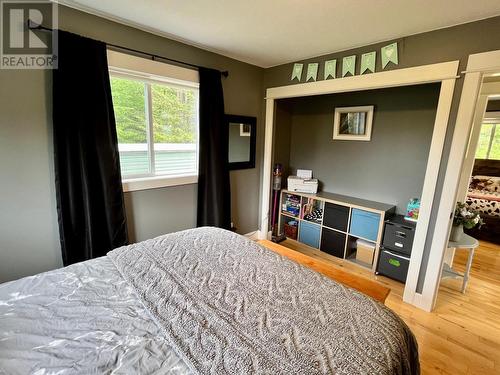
(421, 302)
(257, 235)
(254, 236)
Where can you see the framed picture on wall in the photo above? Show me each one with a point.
(353, 123)
(245, 130)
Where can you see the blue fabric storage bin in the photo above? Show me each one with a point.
(309, 234)
(364, 224)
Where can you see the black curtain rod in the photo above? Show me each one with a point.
(34, 26)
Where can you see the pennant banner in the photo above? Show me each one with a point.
(368, 62)
(312, 71)
(389, 54)
(348, 65)
(297, 71)
(330, 68)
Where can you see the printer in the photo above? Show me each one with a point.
(303, 182)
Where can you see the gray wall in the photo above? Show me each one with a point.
(29, 239)
(391, 167)
(158, 211)
(454, 43)
(282, 135)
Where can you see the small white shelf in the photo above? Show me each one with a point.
(450, 273)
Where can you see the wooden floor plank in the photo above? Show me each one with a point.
(462, 334)
(366, 286)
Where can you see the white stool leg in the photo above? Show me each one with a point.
(467, 269)
(449, 254)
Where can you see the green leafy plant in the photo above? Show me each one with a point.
(466, 217)
(174, 112)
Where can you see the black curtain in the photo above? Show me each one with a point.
(90, 204)
(214, 193)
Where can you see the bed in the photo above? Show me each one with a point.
(484, 196)
(201, 301)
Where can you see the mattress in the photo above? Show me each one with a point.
(82, 319)
(202, 301)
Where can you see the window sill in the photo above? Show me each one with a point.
(156, 182)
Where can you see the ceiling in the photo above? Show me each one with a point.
(273, 32)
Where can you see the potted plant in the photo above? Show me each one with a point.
(464, 217)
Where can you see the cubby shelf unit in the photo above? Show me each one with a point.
(343, 220)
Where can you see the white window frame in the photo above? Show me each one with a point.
(491, 137)
(152, 72)
(491, 118)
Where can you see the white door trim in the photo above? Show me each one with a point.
(391, 78)
(491, 117)
(490, 88)
(470, 155)
(265, 194)
(477, 66)
(442, 72)
(429, 189)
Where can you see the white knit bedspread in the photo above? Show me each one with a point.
(229, 306)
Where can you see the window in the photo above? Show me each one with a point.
(156, 122)
(488, 146)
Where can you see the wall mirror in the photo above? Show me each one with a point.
(242, 136)
(353, 123)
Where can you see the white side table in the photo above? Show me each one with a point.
(467, 243)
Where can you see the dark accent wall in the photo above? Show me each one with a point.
(493, 106)
(391, 167)
(29, 241)
(454, 43)
(486, 167)
(282, 136)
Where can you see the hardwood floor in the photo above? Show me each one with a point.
(462, 334)
(369, 287)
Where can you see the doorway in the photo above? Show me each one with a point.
(480, 76)
(480, 178)
(479, 189)
(445, 73)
